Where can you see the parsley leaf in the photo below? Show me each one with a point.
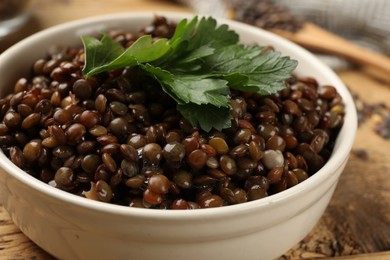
(192, 88)
(250, 69)
(197, 67)
(108, 54)
(206, 116)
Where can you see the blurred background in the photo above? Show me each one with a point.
(362, 22)
(365, 22)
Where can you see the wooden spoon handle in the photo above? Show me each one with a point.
(315, 38)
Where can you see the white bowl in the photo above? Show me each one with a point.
(70, 227)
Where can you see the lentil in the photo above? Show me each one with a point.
(118, 139)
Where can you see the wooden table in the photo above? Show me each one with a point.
(356, 225)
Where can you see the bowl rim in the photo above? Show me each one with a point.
(348, 131)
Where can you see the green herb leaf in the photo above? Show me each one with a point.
(206, 117)
(251, 69)
(197, 67)
(99, 53)
(192, 88)
(141, 51)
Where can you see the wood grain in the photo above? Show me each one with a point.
(315, 38)
(356, 223)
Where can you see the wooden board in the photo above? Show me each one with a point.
(357, 222)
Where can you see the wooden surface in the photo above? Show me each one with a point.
(316, 38)
(356, 225)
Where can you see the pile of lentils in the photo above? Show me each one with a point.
(265, 14)
(118, 138)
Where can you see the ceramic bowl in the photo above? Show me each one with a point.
(70, 227)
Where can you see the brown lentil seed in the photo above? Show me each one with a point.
(238, 151)
(212, 163)
(300, 174)
(12, 119)
(118, 108)
(102, 173)
(62, 116)
(101, 103)
(227, 194)
(246, 162)
(197, 159)
(159, 184)
(256, 192)
(242, 136)
(275, 143)
(15, 99)
(24, 110)
(291, 179)
(228, 164)
(21, 138)
(173, 136)
(204, 180)
(128, 152)
(137, 141)
(98, 130)
(116, 178)
(327, 92)
(75, 133)
(90, 163)
(89, 118)
(209, 150)
(216, 173)
(267, 130)
(43, 107)
(305, 104)
(21, 85)
(292, 108)
(152, 198)
(279, 186)
(63, 151)
(190, 144)
(152, 153)
(55, 99)
(107, 139)
(238, 107)
(31, 120)
(220, 145)
(135, 182)
(245, 124)
(256, 180)
(17, 157)
(82, 89)
(275, 175)
(255, 151)
(180, 204)
(129, 168)
(32, 150)
(63, 177)
(136, 203)
(119, 126)
(174, 151)
(85, 147)
(317, 143)
(109, 162)
(104, 191)
(211, 201)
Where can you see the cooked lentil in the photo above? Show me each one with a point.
(118, 138)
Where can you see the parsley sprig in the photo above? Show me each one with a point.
(197, 67)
